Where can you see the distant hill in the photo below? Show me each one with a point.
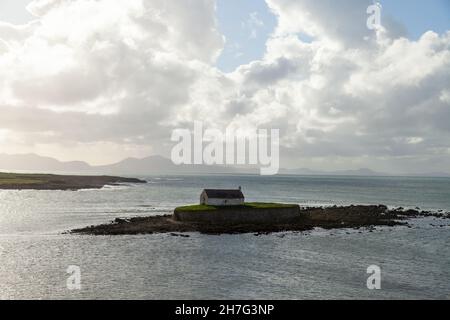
(35, 163)
(358, 172)
(129, 166)
(158, 165)
(154, 165)
(363, 172)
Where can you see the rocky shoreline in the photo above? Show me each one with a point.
(311, 217)
(19, 181)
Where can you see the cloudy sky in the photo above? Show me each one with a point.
(101, 80)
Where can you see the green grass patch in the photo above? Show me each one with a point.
(198, 207)
(17, 179)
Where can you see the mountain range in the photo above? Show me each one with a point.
(154, 165)
(130, 166)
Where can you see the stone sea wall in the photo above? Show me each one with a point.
(239, 215)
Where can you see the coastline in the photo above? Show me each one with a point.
(25, 181)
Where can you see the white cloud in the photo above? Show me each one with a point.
(345, 96)
(119, 75)
(103, 71)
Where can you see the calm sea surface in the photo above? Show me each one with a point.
(35, 253)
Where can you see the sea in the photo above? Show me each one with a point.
(40, 260)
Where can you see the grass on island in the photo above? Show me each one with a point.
(198, 207)
(249, 205)
(31, 181)
(18, 178)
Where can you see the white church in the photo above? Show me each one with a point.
(222, 197)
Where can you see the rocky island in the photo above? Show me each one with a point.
(244, 219)
(22, 181)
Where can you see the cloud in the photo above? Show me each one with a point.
(39, 8)
(350, 92)
(103, 71)
(120, 75)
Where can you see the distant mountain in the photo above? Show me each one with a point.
(138, 166)
(33, 162)
(358, 172)
(158, 165)
(129, 166)
(154, 165)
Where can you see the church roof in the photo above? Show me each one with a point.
(224, 194)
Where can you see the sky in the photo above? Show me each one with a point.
(247, 25)
(101, 81)
(246, 40)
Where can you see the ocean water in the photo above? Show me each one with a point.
(35, 252)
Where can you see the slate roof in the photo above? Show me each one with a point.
(224, 194)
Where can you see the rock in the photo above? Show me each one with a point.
(350, 217)
(411, 213)
(180, 235)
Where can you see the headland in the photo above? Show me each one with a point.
(25, 181)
